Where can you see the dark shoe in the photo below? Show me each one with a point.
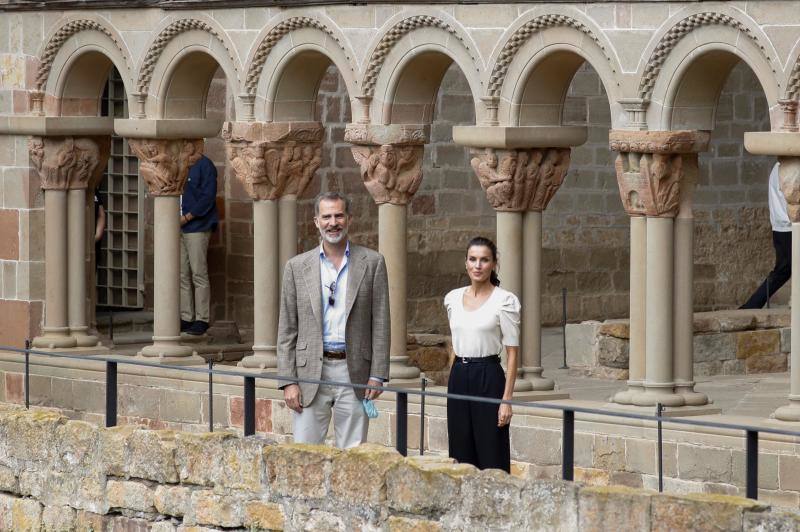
(198, 328)
(185, 325)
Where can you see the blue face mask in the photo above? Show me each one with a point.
(369, 408)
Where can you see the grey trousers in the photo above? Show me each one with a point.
(195, 304)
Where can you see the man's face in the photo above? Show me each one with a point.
(332, 221)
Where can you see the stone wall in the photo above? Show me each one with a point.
(725, 343)
(57, 474)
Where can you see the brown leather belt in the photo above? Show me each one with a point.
(334, 355)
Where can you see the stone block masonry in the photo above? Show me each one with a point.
(58, 474)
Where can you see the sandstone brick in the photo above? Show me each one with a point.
(26, 514)
(627, 508)
(172, 500)
(608, 452)
(405, 524)
(717, 346)
(9, 234)
(758, 343)
(264, 515)
(592, 476)
(6, 504)
(58, 519)
(786, 340)
(789, 472)
(774, 520)
(151, 455)
(8, 480)
(616, 328)
(131, 495)
(502, 508)
(220, 458)
(539, 446)
(299, 469)
(409, 483)
(699, 511)
(640, 456)
(704, 463)
(612, 352)
(208, 508)
(777, 363)
(347, 480)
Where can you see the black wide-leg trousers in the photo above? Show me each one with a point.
(472, 431)
(782, 242)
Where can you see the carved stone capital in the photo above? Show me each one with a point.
(68, 162)
(520, 180)
(392, 173)
(164, 163)
(658, 141)
(649, 183)
(378, 135)
(276, 158)
(789, 175)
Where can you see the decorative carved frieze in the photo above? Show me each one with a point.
(658, 141)
(68, 162)
(392, 173)
(274, 159)
(369, 134)
(789, 175)
(164, 163)
(521, 180)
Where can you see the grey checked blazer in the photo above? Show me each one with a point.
(300, 323)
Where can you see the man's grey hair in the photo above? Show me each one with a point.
(331, 196)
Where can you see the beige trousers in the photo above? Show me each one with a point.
(350, 422)
(195, 304)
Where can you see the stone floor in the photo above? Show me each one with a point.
(741, 395)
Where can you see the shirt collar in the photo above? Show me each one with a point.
(322, 251)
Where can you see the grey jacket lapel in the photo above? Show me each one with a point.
(358, 268)
(311, 276)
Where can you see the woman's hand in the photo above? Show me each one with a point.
(504, 415)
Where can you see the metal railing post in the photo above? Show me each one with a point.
(423, 382)
(27, 373)
(751, 473)
(210, 396)
(402, 423)
(659, 410)
(568, 446)
(564, 326)
(249, 406)
(111, 394)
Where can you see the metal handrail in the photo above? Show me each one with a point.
(568, 412)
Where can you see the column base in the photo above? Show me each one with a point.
(533, 375)
(162, 350)
(691, 397)
(399, 369)
(55, 338)
(653, 396)
(625, 397)
(263, 358)
(82, 338)
(790, 412)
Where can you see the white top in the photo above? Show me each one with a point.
(484, 331)
(334, 283)
(778, 211)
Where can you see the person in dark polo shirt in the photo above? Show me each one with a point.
(198, 220)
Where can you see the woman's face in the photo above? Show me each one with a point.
(480, 263)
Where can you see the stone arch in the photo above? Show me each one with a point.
(180, 62)
(683, 77)
(792, 90)
(74, 63)
(532, 72)
(407, 63)
(295, 52)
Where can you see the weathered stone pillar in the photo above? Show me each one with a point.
(519, 184)
(66, 165)
(651, 166)
(164, 165)
(390, 158)
(275, 162)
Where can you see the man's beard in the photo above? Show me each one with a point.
(333, 239)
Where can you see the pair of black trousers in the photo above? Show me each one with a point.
(472, 432)
(782, 242)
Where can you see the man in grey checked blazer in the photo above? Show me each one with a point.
(333, 325)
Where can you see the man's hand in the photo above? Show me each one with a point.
(373, 394)
(291, 394)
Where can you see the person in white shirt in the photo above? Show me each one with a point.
(781, 241)
(483, 319)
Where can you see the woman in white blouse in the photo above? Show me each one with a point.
(483, 318)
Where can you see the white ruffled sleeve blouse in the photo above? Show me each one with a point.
(485, 330)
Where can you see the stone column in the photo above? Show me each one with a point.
(519, 185)
(390, 159)
(65, 163)
(275, 162)
(164, 165)
(650, 172)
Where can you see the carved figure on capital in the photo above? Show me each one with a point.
(68, 162)
(789, 175)
(391, 173)
(520, 180)
(649, 183)
(164, 164)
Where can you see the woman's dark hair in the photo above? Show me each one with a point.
(483, 241)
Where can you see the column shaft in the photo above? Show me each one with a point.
(266, 286)
(791, 412)
(56, 330)
(392, 245)
(166, 287)
(287, 227)
(659, 343)
(509, 247)
(76, 250)
(531, 364)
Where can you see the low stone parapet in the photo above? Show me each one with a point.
(729, 342)
(58, 474)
